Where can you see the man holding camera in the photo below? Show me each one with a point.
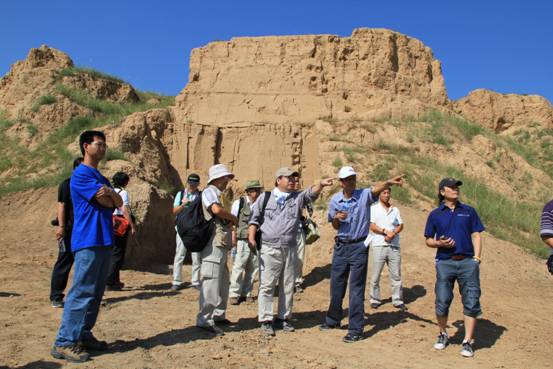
(454, 228)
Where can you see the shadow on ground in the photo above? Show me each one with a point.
(486, 334)
(36, 365)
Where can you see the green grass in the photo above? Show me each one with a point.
(337, 162)
(53, 152)
(75, 71)
(43, 100)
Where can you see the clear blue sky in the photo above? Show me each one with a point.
(506, 46)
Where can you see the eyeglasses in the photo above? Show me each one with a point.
(99, 144)
(293, 179)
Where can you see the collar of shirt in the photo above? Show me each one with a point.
(459, 205)
(280, 196)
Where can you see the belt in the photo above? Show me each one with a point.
(458, 257)
(346, 242)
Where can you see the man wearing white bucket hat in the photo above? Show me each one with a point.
(214, 280)
(278, 218)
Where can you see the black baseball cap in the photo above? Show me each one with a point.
(193, 178)
(449, 182)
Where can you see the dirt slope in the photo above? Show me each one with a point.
(149, 327)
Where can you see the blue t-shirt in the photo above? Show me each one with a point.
(458, 224)
(358, 207)
(92, 223)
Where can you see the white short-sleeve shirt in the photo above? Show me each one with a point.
(125, 197)
(211, 195)
(387, 219)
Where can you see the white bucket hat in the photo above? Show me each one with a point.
(218, 171)
(346, 172)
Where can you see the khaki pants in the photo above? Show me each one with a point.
(214, 283)
(386, 255)
(276, 265)
(244, 270)
(180, 254)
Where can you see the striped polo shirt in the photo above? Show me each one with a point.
(546, 224)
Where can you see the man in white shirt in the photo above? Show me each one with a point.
(245, 264)
(182, 200)
(214, 275)
(386, 224)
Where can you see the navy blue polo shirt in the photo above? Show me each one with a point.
(458, 224)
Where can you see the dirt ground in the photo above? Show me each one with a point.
(148, 326)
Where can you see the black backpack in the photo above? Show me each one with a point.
(194, 230)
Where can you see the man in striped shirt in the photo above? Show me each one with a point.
(546, 231)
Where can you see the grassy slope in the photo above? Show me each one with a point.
(512, 219)
(23, 162)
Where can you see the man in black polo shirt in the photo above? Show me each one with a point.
(64, 213)
(454, 230)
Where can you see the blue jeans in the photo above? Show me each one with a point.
(467, 274)
(83, 300)
(348, 260)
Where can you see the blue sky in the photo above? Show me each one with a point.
(505, 46)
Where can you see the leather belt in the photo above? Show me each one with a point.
(347, 242)
(458, 257)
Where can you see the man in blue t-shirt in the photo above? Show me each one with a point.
(454, 228)
(91, 241)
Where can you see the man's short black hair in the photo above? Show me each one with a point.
(77, 162)
(88, 137)
(120, 179)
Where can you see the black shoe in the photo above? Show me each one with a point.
(212, 329)
(223, 322)
(118, 286)
(350, 338)
(375, 305)
(326, 326)
(284, 325)
(92, 343)
(401, 307)
(57, 303)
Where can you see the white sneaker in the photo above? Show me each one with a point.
(467, 350)
(441, 342)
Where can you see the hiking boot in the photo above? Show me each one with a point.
(57, 303)
(284, 325)
(250, 299)
(195, 285)
(327, 327)
(242, 299)
(298, 288)
(73, 353)
(267, 328)
(467, 350)
(234, 301)
(350, 338)
(90, 342)
(176, 287)
(213, 329)
(375, 305)
(441, 342)
(401, 307)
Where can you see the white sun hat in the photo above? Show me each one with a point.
(218, 171)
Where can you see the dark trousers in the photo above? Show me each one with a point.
(117, 259)
(348, 261)
(62, 268)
